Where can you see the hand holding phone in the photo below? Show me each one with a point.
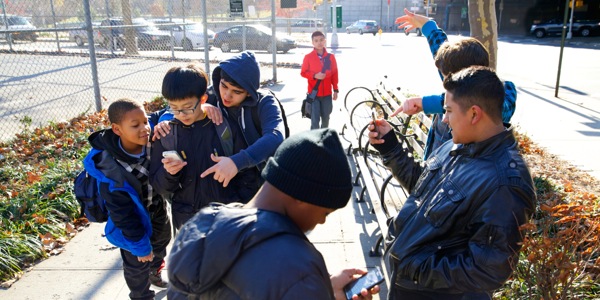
(367, 281)
(172, 155)
(374, 118)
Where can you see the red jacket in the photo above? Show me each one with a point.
(312, 65)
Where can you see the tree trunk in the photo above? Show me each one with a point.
(484, 26)
(130, 33)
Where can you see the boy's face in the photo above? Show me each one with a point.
(133, 130)
(187, 110)
(319, 42)
(307, 215)
(458, 119)
(231, 95)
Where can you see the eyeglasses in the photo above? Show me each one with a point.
(187, 111)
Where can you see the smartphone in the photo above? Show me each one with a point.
(367, 281)
(172, 154)
(373, 116)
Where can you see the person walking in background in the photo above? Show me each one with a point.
(458, 234)
(138, 222)
(320, 68)
(260, 250)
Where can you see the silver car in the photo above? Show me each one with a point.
(363, 26)
(188, 35)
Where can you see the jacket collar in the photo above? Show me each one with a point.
(486, 147)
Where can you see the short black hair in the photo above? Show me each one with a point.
(316, 33)
(118, 109)
(184, 82)
(230, 80)
(479, 86)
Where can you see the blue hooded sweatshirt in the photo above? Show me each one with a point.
(245, 70)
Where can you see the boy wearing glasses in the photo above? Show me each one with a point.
(196, 139)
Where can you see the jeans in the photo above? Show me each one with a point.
(321, 110)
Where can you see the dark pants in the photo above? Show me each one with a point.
(321, 110)
(137, 273)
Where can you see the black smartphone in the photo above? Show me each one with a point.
(373, 116)
(367, 281)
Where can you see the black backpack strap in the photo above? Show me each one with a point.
(256, 118)
(224, 133)
(169, 142)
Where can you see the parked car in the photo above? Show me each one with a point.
(363, 26)
(189, 35)
(417, 31)
(148, 36)
(79, 36)
(555, 26)
(258, 37)
(308, 23)
(16, 23)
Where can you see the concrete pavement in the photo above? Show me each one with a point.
(568, 126)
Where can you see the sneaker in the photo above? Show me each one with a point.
(156, 280)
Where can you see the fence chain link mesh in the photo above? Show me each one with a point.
(55, 66)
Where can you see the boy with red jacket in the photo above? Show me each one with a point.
(320, 66)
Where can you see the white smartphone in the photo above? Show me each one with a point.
(367, 281)
(172, 154)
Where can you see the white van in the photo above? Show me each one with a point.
(16, 23)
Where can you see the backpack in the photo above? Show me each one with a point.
(256, 119)
(87, 193)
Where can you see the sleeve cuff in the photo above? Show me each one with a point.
(429, 27)
(433, 104)
(390, 142)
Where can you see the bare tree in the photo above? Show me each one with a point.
(130, 45)
(484, 26)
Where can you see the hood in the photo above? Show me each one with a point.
(107, 140)
(244, 69)
(211, 242)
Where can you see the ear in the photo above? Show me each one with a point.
(476, 113)
(116, 129)
(203, 98)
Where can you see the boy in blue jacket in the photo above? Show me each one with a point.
(450, 57)
(138, 222)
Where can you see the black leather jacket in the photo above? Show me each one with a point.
(458, 231)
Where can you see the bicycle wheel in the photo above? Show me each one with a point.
(360, 116)
(356, 95)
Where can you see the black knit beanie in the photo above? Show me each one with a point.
(312, 167)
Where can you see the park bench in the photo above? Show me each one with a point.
(384, 194)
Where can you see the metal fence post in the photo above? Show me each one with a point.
(92, 49)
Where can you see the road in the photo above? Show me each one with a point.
(55, 87)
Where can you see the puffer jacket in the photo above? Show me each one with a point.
(229, 252)
(458, 231)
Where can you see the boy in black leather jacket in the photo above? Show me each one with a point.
(457, 236)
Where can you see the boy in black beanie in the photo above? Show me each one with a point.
(259, 250)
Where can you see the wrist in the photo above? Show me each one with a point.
(336, 91)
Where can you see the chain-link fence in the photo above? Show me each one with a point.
(62, 58)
